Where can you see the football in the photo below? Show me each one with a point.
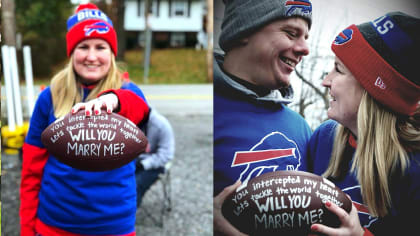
(95, 143)
(283, 203)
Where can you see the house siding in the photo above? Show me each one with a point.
(164, 21)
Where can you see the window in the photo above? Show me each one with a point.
(177, 39)
(139, 8)
(153, 9)
(179, 8)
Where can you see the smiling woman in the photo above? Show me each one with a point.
(92, 60)
(346, 95)
(371, 147)
(51, 189)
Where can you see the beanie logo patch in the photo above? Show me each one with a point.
(293, 7)
(380, 83)
(343, 37)
(87, 14)
(98, 27)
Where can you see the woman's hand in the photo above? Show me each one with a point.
(350, 224)
(108, 101)
(220, 224)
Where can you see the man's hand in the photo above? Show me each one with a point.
(220, 224)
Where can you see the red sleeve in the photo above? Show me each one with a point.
(132, 106)
(34, 159)
(367, 232)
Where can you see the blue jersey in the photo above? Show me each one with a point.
(81, 202)
(405, 188)
(253, 134)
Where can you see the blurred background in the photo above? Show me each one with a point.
(176, 31)
(166, 48)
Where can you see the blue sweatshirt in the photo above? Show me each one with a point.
(253, 134)
(161, 139)
(80, 202)
(405, 189)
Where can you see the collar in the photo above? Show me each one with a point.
(90, 86)
(225, 84)
(259, 90)
(352, 141)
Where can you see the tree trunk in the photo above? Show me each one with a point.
(148, 43)
(8, 22)
(209, 29)
(119, 24)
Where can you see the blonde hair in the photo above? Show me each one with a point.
(383, 141)
(67, 91)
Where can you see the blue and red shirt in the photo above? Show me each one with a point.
(57, 196)
(405, 188)
(253, 134)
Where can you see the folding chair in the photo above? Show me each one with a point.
(164, 180)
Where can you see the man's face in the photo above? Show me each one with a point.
(272, 53)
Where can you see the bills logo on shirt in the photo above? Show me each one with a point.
(99, 27)
(273, 152)
(304, 6)
(366, 220)
(343, 37)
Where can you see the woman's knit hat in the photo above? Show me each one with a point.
(383, 56)
(89, 22)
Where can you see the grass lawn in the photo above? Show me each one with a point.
(167, 66)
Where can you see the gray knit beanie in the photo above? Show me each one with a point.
(242, 17)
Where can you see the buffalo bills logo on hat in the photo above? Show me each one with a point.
(304, 6)
(99, 27)
(343, 37)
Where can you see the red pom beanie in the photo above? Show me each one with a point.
(89, 22)
(381, 55)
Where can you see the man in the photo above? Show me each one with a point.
(254, 131)
(160, 150)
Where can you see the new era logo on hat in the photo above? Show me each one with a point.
(380, 83)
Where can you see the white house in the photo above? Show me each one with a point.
(173, 22)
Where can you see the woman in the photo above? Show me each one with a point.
(57, 199)
(372, 148)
